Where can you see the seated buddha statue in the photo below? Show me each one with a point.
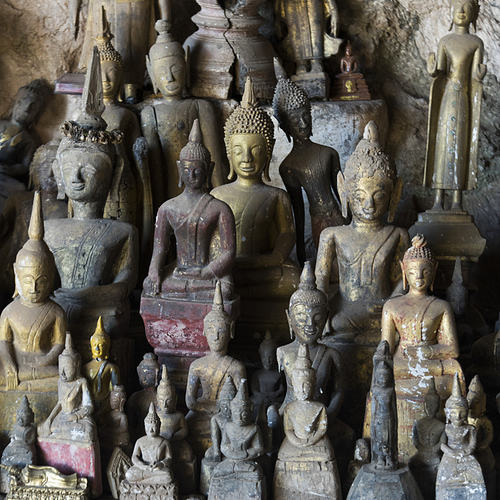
(96, 258)
(32, 327)
(199, 222)
(368, 251)
(265, 234)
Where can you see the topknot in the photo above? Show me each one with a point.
(419, 250)
(103, 42)
(195, 149)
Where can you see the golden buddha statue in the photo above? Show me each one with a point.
(32, 327)
(166, 125)
(101, 375)
(368, 251)
(96, 258)
(265, 234)
(455, 107)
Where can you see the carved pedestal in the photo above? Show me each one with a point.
(34, 493)
(350, 87)
(237, 486)
(67, 458)
(315, 85)
(148, 491)
(206, 471)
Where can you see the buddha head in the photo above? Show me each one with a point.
(383, 376)
(100, 342)
(303, 376)
(148, 371)
(432, 400)
(117, 398)
(152, 422)
(25, 415)
(226, 395)
(457, 407)
(30, 102)
(218, 326)
(267, 352)
(166, 397)
(464, 13)
(308, 309)
(476, 397)
(111, 61)
(456, 294)
(419, 265)
(34, 268)
(242, 406)
(369, 185)
(249, 138)
(70, 361)
(348, 49)
(291, 106)
(41, 174)
(361, 450)
(195, 165)
(167, 61)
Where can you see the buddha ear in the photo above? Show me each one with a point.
(232, 329)
(16, 291)
(61, 192)
(179, 170)
(405, 283)
(292, 336)
(149, 66)
(188, 67)
(210, 169)
(114, 190)
(397, 190)
(265, 172)
(231, 176)
(435, 270)
(341, 187)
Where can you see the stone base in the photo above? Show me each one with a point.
(315, 85)
(42, 403)
(371, 484)
(148, 491)
(306, 480)
(237, 488)
(350, 87)
(206, 471)
(67, 458)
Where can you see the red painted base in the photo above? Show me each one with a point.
(84, 459)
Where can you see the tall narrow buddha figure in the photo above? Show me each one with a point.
(455, 107)
(96, 258)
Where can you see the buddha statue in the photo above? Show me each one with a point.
(306, 465)
(265, 235)
(361, 457)
(101, 374)
(459, 474)
(239, 475)
(166, 125)
(428, 343)
(476, 398)
(32, 327)
(204, 232)
(428, 435)
(114, 433)
(209, 373)
(137, 406)
(309, 166)
(96, 258)
(174, 429)
(455, 107)
(368, 251)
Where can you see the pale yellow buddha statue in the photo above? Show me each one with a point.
(265, 234)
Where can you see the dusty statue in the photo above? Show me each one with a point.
(166, 125)
(32, 327)
(306, 466)
(368, 251)
(204, 232)
(455, 107)
(239, 475)
(459, 474)
(96, 258)
(101, 374)
(427, 339)
(209, 373)
(151, 475)
(114, 432)
(265, 234)
(174, 429)
(309, 166)
(361, 457)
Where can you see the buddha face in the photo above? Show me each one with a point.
(383, 377)
(218, 333)
(112, 74)
(193, 174)
(456, 416)
(459, 301)
(151, 429)
(117, 400)
(369, 198)
(267, 358)
(303, 387)
(241, 414)
(419, 274)
(225, 408)
(361, 451)
(33, 283)
(168, 402)
(170, 75)
(308, 321)
(86, 174)
(148, 375)
(25, 110)
(477, 406)
(100, 348)
(431, 406)
(463, 12)
(248, 155)
(68, 368)
(298, 123)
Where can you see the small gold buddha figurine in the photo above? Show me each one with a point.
(476, 398)
(96, 258)
(204, 231)
(174, 429)
(368, 251)
(459, 474)
(265, 234)
(210, 373)
(45, 477)
(309, 166)
(166, 125)
(32, 327)
(71, 419)
(306, 465)
(455, 107)
(101, 374)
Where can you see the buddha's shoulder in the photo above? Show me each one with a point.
(64, 227)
